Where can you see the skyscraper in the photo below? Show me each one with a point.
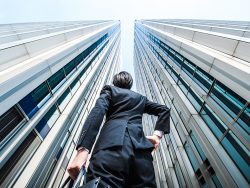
(51, 74)
(199, 68)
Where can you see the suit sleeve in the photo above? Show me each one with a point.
(94, 120)
(163, 113)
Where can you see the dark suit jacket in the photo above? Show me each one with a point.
(123, 108)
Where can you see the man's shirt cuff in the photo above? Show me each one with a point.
(158, 133)
(82, 148)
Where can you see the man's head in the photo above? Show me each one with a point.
(123, 80)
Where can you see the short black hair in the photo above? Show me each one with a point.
(123, 80)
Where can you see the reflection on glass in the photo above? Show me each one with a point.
(243, 123)
(229, 101)
(56, 79)
(238, 153)
(203, 79)
(195, 99)
(64, 99)
(198, 147)
(191, 156)
(213, 122)
(183, 85)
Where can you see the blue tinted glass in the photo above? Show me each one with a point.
(195, 99)
(243, 123)
(213, 122)
(174, 75)
(188, 68)
(78, 59)
(70, 67)
(30, 102)
(198, 147)
(203, 79)
(216, 181)
(229, 101)
(191, 157)
(183, 85)
(29, 105)
(40, 92)
(42, 128)
(238, 153)
(56, 79)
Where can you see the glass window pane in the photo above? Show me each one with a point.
(44, 126)
(188, 68)
(52, 116)
(195, 99)
(213, 122)
(18, 159)
(238, 153)
(198, 147)
(243, 123)
(78, 59)
(64, 99)
(54, 81)
(183, 85)
(216, 181)
(40, 92)
(229, 101)
(191, 156)
(203, 79)
(9, 122)
(174, 75)
(34, 100)
(70, 67)
(75, 85)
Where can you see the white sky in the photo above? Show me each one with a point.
(125, 10)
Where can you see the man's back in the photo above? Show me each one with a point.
(123, 108)
(122, 155)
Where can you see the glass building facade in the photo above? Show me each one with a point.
(51, 75)
(200, 69)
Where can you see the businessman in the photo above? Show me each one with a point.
(122, 154)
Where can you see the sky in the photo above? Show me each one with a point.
(124, 10)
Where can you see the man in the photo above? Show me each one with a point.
(122, 154)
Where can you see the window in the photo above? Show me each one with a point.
(70, 67)
(19, 158)
(191, 156)
(34, 100)
(54, 81)
(195, 99)
(238, 153)
(75, 85)
(213, 122)
(216, 181)
(229, 101)
(79, 59)
(203, 79)
(45, 124)
(243, 123)
(183, 85)
(174, 75)
(198, 147)
(9, 122)
(188, 68)
(64, 99)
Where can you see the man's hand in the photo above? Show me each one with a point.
(154, 139)
(75, 166)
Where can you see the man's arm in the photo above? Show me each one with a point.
(163, 113)
(94, 120)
